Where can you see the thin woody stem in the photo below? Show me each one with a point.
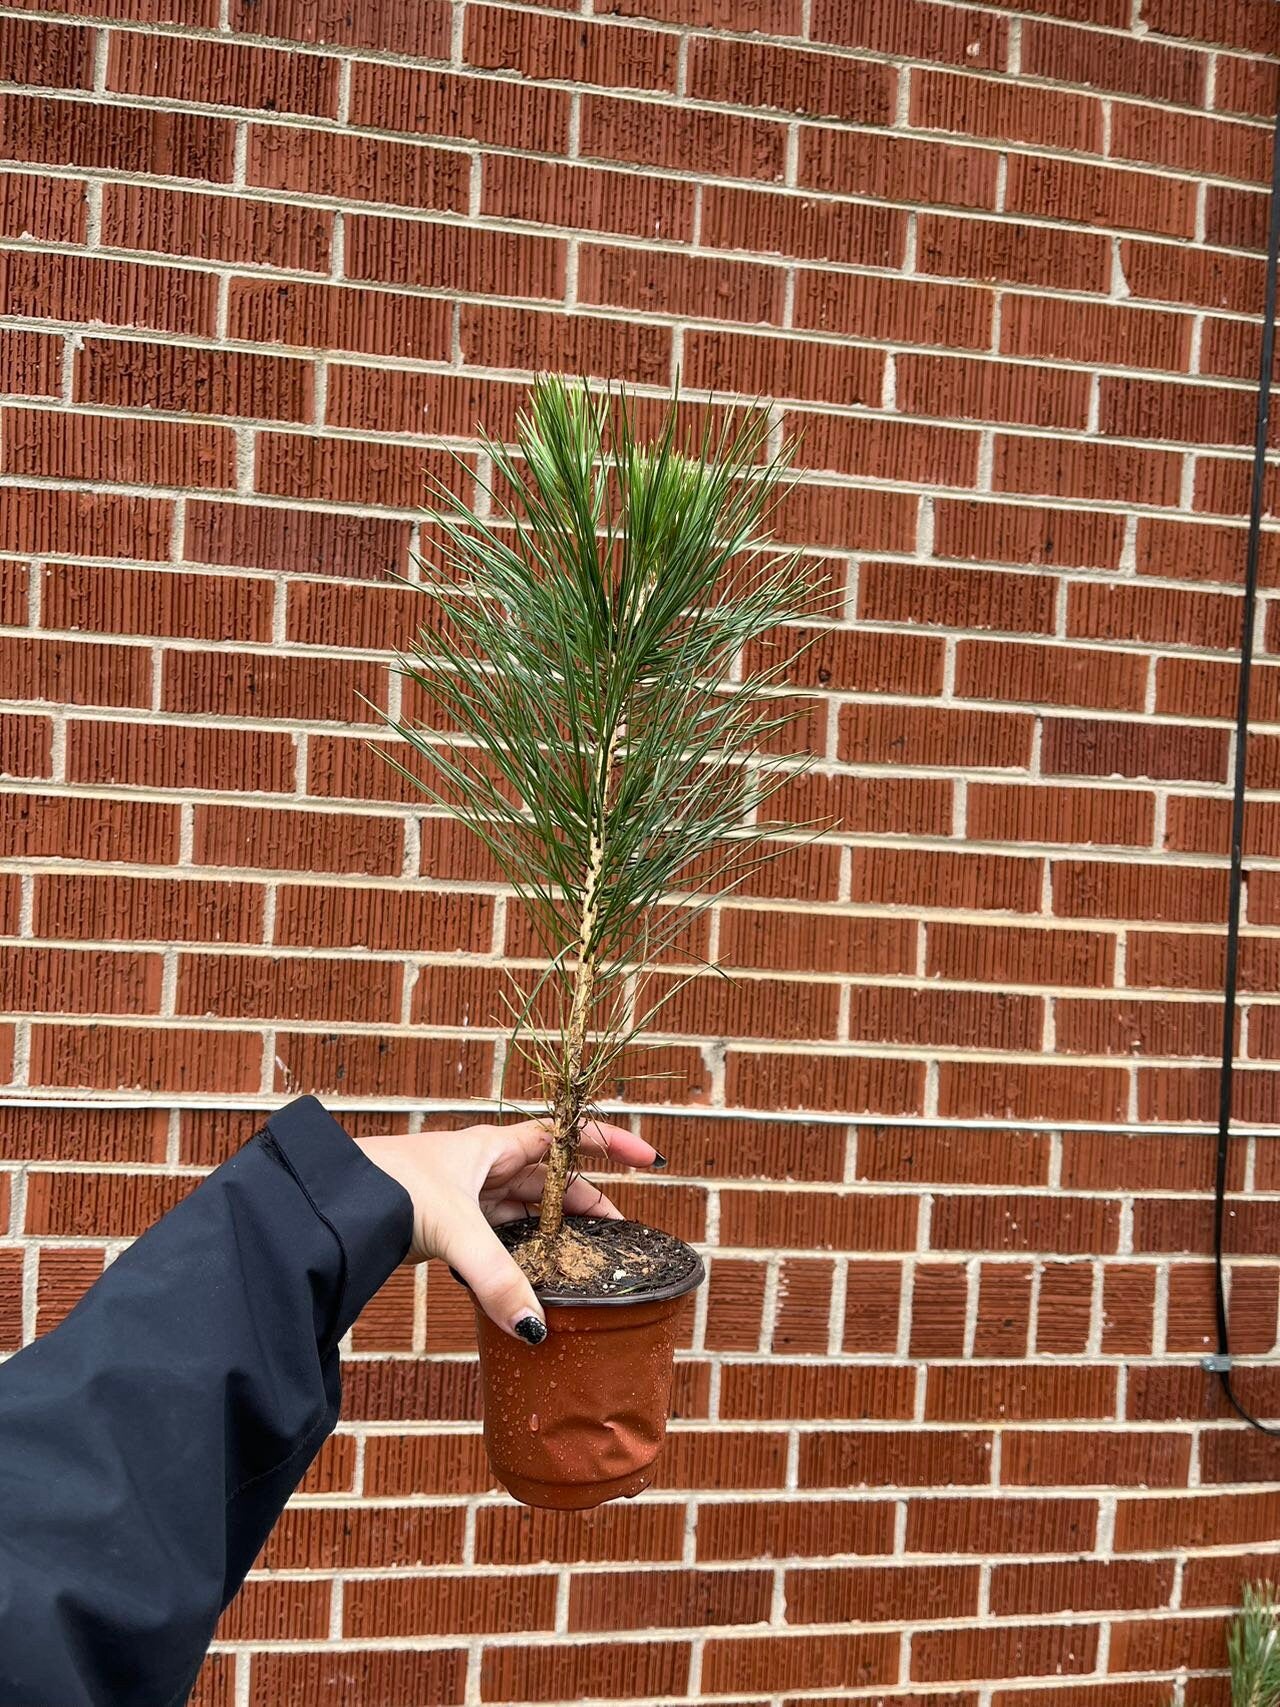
(571, 1090)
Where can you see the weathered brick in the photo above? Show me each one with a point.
(416, 27)
(723, 145)
(655, 281)
(976, 106)
(914, 32)
(297, 542)
(116, 138)
(155, 602)
(590, 198)
(85, 290)
(57, 445)
(357, 168)
(49, 519)
(144, 754)
(897, 168)
(1104, 680)
(215, 228)
(866, 306)
(46, 55)
(132, 375)
(1046, 186)
(170, 66)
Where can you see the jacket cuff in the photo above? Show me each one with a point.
(369, 1214)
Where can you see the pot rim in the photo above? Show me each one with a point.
(620, 1300)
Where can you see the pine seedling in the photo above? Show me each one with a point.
(592, 718)
(1253, 1649)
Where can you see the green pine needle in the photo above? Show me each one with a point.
(587, 724)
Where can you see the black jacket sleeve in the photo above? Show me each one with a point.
(150, 1441)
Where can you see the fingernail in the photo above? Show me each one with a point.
(531, 1330)
(659, 1160)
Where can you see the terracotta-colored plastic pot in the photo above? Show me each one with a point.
(581, 1418)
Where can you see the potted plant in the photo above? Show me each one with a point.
(591, 718)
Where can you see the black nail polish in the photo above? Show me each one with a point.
(531, 1330)
(659, 1160)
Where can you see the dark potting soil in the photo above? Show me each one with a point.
(632, 1260)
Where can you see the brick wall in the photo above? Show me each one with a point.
(942, 1435)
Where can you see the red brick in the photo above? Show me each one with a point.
(357, 168)
(1001, 1525)
(554, 192)
(759, 74)
(1001, 1392)
(1187, 143)
(46, 55)
(1197, 414)
(903, 1155)
(215, 228)
(914, 32)
(563, 49)
(975, 106)
(275, 1611)
(1052, 675)
(1002, 1325)
(1006, 252)
(445, 1605)
(331, 317)
(819, 942)
(896, 168)
(502, 114)
(453, 257)
(815, 515)
(416, 27)
(1102, 473)
(51, 210)
(885, 449)
(813, 1221)
(297, 841)
(899, 876)
(1026, 534)
(789, 1662)
(889, 309)
(169, 67)
(923, 735)
(153, 1058)
(1245, 85)
(872, 1307)
(216, 1684)
(1100, 1161)
(1003, 812)
(26, 747)
(155, 602)
(734, 1305)
(509, 1535)
(192, 381)
(36, 826)
(1017, 1650)
(46, 519)
(147, 755)
(64, 1277)
(1222, 22)
(938, 1299)
(768, 1390)
(374, 1677)
(1041, 325)
(30, 363)
(773, 17)
(116, 138)
(658, 282)
(1080, 1458)
(747, 1458)
(1205, 278)
(279, 987)
(56, 445)
(1017, 1092)
(83, 289)
(75, 672)
(385, 1066)
(1064, 1309)
(425, 1463)
(661, 1599)
(684, 139)
(1106, 747)
(309, 915)
(1198, 551)
(516, 338)
(799, 1528)
(157, 909)
(990, 391)
(1046, 187)
(1205, 1520)
(79, 982)
(1064, 1225)
(329, 543)
(831, 1082)
(803, 1307)
(1153, 70)
(1142, 1027)
(955, 598)
(900, 1458)
(609, 1669)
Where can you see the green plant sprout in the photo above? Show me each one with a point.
(592, 718)
(1253, 1649)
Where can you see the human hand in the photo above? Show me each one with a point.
(463, 1184)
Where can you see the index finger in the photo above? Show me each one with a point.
(600, 1136)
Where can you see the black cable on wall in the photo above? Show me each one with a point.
(1220, 1364)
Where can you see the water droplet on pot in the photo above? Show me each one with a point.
(533, 1423)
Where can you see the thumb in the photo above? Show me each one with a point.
(499, 1284)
